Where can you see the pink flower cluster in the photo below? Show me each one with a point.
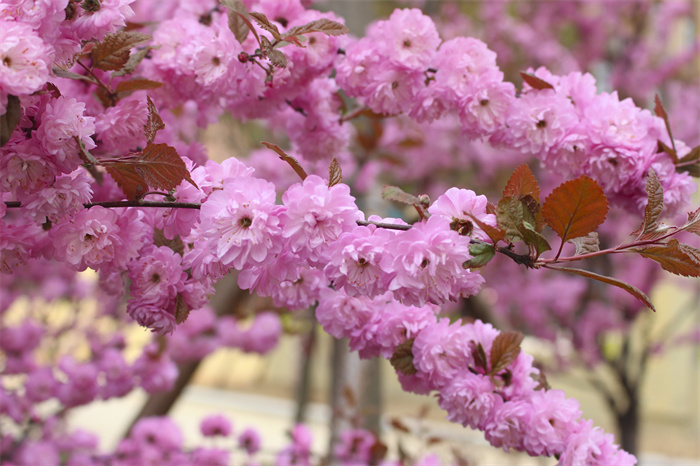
(506, 405)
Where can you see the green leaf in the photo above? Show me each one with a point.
(575, 208)
(9, 119)
(674, 257)
(511, 213)
(504, 350)
(335, 174)
(534, 238)
(535, 82)
(61, 73)
(287, 158)
(113, 52)
(633, 290)
(481, 254)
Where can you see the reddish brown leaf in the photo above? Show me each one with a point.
(265, 23)
(335, 174)
(349, 396)
(522, 183)
(394, 193)
(277, 58)
(575, 208)
(669, 150)
(236, 24)
(182, 312)
(504, 350)
(535, 82)
(161, 167)
(655, 204)
(131, 183)
(660, 112)
(478, 355)
(398, 425)
(154, 123)
(137, 85)
(113, 52)
(377, 452)
(693, 223)
(9, 119)
(496, 234)
(287, 158)
(675, 257)
(402, 359)
(133, 62)
(326, 26)
(633, 290)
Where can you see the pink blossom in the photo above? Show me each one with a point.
(98, 17)
(62, 200)
(156, 276)
(263, 334)
(81, 387)
(24, 167)
(40, 385)
(427, 263)
(316, 215)
(441, 351)
(506, 426)
(159, 432)
(156, 371)
(120, 128)
(24, 59)
(215, 425)
(408, 38)
(552, 418)
(355, 261)
(249, 440)
(300, 292)
(469, 399)
(62, 121)
(241, 222)
(99, 237)
(354, 447)
(456, 205)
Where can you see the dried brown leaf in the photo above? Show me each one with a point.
(586, 244)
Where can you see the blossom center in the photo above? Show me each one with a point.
(246, 222)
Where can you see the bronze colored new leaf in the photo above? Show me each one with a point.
(154, 123)
(335, 174)
(287, 158)
(128, 179)
(326, 26)
(675, 257)
(394, 193)
(504, 350)
(535, 82)
(265, 23)
(631, 289)
(522, 183)
(113, 52)
(9, 119)
(660, 112)
(137, 84)
(575, 208)
(654, 207)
